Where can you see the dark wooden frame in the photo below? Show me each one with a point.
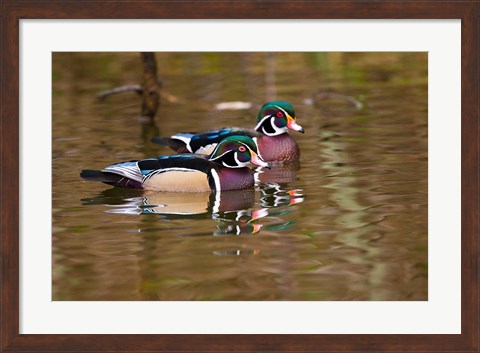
(13, 11)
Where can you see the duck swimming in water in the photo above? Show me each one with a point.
(226, 168)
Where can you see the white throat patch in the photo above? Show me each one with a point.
(278, 130)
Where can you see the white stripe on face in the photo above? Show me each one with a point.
(291, 123)
(240, 164)
(261, 121)
(286, 114)
(223, 154)
(278, 130)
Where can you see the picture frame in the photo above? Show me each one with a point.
(12, 12)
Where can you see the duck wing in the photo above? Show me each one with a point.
(203, 142)
(133, 174)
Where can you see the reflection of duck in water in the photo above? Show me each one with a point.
(198, 203)
(278, 173)
(239, 222)
(225, 169)
(274, 195)
(174, 205)
(230, 209)
(271, 135)
(237, 252)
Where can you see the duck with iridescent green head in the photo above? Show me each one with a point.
(225, 169)
(271, 135)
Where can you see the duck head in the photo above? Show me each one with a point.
(237, 152)
(276, 118)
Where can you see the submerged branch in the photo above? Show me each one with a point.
(127, 88)
(334, 103)
(137, 89)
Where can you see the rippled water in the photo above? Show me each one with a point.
(349, 222)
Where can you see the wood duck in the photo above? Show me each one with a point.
(270, 134)
(225, 169)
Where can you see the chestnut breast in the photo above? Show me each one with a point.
(282, 148)
(236, 178)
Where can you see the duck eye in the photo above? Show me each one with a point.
(242, 149)
(280, 114)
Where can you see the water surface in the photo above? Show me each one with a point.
(349, 222)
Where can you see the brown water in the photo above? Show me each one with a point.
(348, 223)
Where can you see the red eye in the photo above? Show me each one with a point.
(280, 114)
(242, 149)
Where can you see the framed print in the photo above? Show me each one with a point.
(362, 236)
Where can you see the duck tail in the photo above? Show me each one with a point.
(177, 145)
(110, 179)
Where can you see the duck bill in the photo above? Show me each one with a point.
(258, 161)
(292, 125)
